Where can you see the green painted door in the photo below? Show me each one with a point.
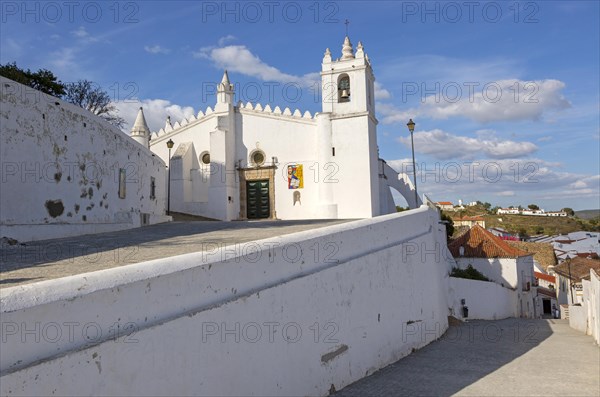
(257, 199)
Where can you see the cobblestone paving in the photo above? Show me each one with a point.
(512, 357)
(48, 259)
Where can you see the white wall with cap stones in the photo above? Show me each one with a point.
(293, 316)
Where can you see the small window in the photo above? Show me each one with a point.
(257, 157)
(152, 188)
(205, 158)
(122, 180)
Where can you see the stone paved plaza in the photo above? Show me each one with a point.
(48, 259)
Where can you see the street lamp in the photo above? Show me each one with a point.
(170, 144)
(411, 128)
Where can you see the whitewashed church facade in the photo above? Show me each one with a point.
(237, 161)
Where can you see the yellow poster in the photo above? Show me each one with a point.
(295, 177)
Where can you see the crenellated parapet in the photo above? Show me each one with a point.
(286, 113)
(297, 115)
(186, 122)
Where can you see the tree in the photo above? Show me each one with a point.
(487, 206)
(533, 207)
(42, 80)
(449, 224)
(89, 96)
(539, 229)
(523, 234)
(470, 273)
(569, 211)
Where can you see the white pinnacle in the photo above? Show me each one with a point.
(140, 127)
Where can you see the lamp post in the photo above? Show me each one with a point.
(411, 128)
(170, 144)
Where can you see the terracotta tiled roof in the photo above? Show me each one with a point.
(579, 267)
(479, 243)
(591, 255)
(547, 277)
(444, 203)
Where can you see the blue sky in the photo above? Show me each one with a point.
(505, 94)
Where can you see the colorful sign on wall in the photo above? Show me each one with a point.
(295, 176)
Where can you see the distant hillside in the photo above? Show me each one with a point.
(533, 225)
(588, 214)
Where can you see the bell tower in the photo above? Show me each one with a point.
(348, 83)
(347, 130)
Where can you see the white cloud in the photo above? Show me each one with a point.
(225, 39)
(501, 100)
(580, 184)
(512, 181)
(238, 58)
(390, 114)
(82, 34)
(65, 62)
(155, 111)
(381, 93)
(443, 145)
(506, 193)
(545, 138)
(504, 100)
(156, 49)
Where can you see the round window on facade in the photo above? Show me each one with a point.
(205, 158)
(258, 157)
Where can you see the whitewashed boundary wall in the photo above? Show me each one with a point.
(586, 317)
(485, 300)
(293, 316)
(62, 168)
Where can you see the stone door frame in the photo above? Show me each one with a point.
(257, 174)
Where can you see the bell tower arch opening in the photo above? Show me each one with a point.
(343, 88)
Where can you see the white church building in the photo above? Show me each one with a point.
(245, 161)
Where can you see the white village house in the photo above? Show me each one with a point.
(251, 161)
(504, 265)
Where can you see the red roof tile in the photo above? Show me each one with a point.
(444, 203)
(479, 243)
(578, 267)
(547, 277)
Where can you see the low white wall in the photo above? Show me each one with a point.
(362, 295)
(594, 306)
(485, 300)
(578, 318)
(60, 170)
